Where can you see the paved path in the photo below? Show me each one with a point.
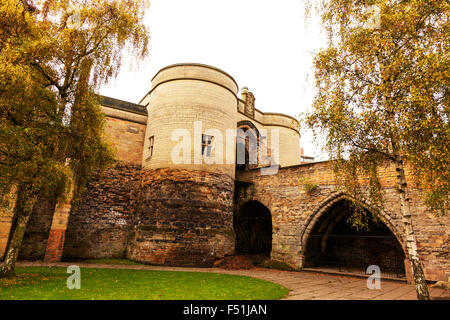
(303, 285)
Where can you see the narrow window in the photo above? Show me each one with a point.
(151, 141)
(207, 145)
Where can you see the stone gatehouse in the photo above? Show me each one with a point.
(166, 207)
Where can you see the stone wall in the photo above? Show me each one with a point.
(36, 236)
(284, 126)
(184, 218)
(163, 216)
(185, 102)
(99, 226)
(295, 211)
(127, 134)
(45, 233)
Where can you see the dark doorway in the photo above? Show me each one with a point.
(253, 227)
(247, 141)
(335, 244)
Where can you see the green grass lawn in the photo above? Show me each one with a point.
(42, 283)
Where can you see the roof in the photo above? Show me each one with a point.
(191, 64)
(122, 105)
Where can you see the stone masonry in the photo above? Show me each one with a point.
(295, 211)
(150, 209)
(184, 218)
(99, 226)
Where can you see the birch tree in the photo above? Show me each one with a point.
(54, 55)
(383, 96)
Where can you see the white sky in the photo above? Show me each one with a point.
(264, 45)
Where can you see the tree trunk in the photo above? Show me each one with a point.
(411, 245)
(25, 204)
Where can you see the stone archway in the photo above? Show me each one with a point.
(247, 145)
(329, 242)
(253, 228)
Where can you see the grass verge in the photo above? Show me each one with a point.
(49, 283)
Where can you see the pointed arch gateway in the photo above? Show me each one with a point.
(329, 242)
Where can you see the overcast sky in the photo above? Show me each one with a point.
(264, 45)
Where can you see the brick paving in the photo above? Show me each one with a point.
(304, 285)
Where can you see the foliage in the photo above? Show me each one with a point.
(35, 283)
(27, 134)
(54, 56)
(308, 186)
(383, 93)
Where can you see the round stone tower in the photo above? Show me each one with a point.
(185, 214)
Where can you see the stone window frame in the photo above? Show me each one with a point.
(151, 144)
(207, 144)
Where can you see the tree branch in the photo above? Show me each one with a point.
(53, 82)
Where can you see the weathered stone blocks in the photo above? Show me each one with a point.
(36, 235)
(184, 218)
(295, 212)
(99, 226)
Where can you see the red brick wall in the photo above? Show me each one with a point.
(55, 245)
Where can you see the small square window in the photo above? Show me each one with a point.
(207, 145)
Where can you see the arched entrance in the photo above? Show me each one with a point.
(334, 244)
(253, 227)
(247, 144)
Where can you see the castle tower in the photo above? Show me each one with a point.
(185, 214)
